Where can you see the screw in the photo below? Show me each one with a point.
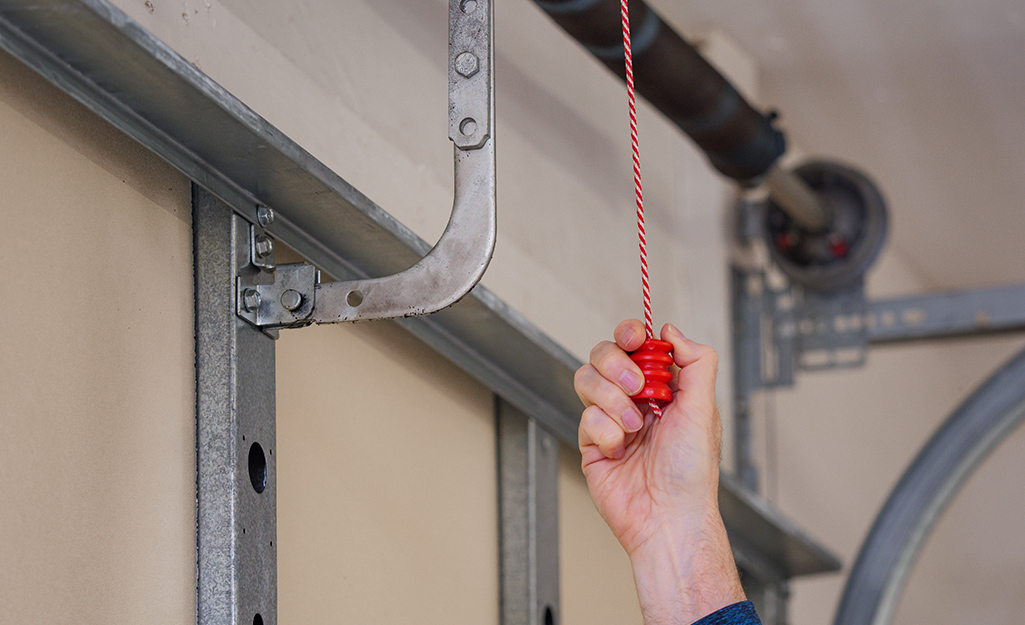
(291, 299)
(467, 64)
(264, 246)
(251, 300)
(264, 215)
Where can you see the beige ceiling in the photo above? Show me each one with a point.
(927, 97)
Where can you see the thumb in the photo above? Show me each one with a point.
(698, 366)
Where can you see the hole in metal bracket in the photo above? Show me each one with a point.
(354, 298)
(257, 467)
(549, 618)
(913, 316)
(468, 6)
(468, 126)
(257, 619)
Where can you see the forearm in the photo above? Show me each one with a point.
(686, 572)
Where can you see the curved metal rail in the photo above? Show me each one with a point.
(458, 260)
(968, 436)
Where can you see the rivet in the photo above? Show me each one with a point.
(291, 299)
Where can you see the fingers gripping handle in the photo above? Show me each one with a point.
(654, 358)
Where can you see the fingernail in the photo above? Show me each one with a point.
(618, 455)
(674, 331)
(628, 336)
(633, 420)
(631, 381)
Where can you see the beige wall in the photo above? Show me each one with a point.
(386, 482)
(97, 442)
(387, 491)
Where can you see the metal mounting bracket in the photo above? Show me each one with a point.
(458, 260)
(286, 302)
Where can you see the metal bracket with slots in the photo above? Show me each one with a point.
(794, 329)
(781, 328)
(784, 329)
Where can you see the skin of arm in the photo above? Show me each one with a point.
(655, 481)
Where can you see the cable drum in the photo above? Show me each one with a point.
(840, 254)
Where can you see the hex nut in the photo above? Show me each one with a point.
(251, 300)
(467, 64)
(291, 299)
(264, 246)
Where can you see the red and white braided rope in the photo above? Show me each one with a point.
(641, 237)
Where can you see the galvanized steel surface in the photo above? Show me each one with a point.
(942, 466)
(528, 490)
(458, 260)
(446, 273)
(802, 204)
(941, 315)
(235, 432)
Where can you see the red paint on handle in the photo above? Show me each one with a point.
(653, 357)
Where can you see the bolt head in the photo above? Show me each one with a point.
(264, 215)
(251, 300)
(264, 246)
(467, 64)
(291, 299)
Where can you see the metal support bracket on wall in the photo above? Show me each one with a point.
(781, 327)
(779, 330)
(295, 296)
(789, 329)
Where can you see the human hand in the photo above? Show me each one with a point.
(655, 481)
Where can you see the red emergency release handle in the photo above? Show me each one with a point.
(654, 358)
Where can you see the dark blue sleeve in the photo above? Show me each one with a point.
(742, 613)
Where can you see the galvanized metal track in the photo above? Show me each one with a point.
(928, 486)
(94, 52)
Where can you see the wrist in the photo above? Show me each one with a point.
(686, 572)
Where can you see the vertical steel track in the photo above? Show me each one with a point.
(236, 477)
(528, 487)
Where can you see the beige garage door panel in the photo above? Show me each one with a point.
(386, 482)
(97, 476)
